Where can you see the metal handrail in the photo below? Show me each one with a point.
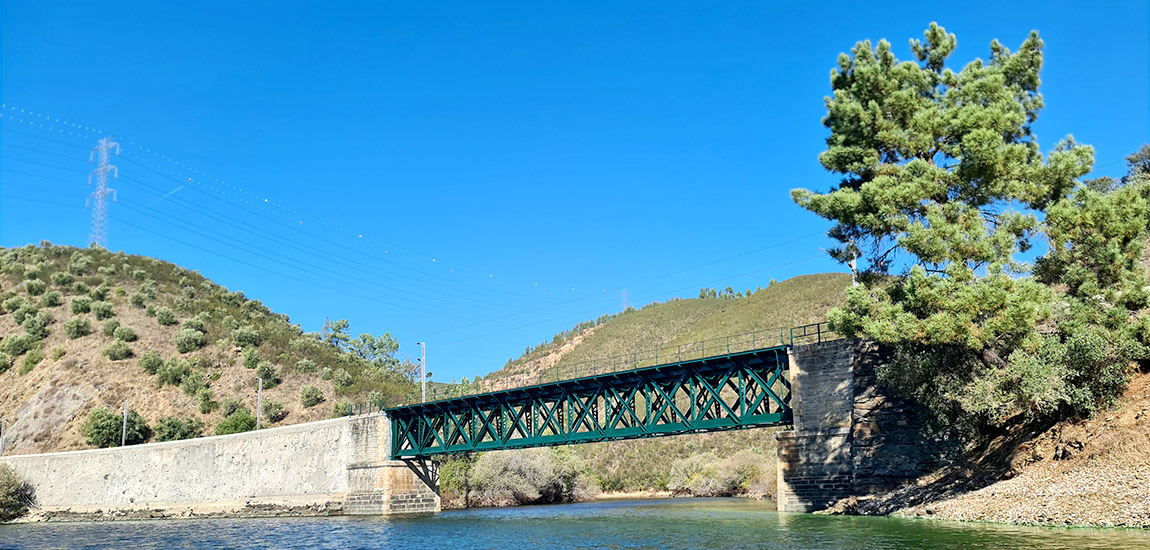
(694, 351)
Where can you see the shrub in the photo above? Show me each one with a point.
(104, 428)
(151, 362)
(16, 494)
(137, 300)
(110, 327)
(17, 345)
(171, 428)
(193, 382)
(305, 365)
(80, 288)
(118, 351)
(139, 274)
(62, 278)
(150, 311)
(52, 298)
(5, 362)
(342, 408)
(14, 303)
(32, 359)
(78, 327)
(21, 314)
(528, 476)
(36, 325)
(204, 397)
(173, 371)
(274, 411)
(231, 405)
(251, 358)
(57, 353)
(79, 266)
(237, 422)
(35, 287)
(103, 310)
(80, 304)
(99, 293)
(197, 323)
(267, 372)
(148, 289)
(125, 334)
(342, 378)
(188, 340)
(165, 316)
(246, 336)
(310, 396)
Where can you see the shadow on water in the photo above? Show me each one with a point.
(656, 523)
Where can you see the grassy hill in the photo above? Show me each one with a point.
(82, 329)
(640, 465)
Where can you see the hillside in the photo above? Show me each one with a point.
(640, 465)
(192, 350)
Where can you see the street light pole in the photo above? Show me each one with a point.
(423, 371)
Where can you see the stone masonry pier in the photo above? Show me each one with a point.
(851, 436)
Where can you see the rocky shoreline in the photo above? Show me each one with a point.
(247, 510)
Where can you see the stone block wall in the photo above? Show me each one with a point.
(851, 436)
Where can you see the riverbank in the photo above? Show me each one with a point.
(241, 510)
(1094, 472)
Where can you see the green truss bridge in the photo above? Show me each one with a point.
(731, 383)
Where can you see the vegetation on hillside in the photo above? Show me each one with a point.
(710, 464)
(944, 187)
(16, 494)
(153, 324)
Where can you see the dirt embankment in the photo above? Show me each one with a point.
(1091, 472)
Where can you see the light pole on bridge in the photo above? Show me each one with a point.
(423, 371)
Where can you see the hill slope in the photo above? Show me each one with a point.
(639, 465)
(59, 307)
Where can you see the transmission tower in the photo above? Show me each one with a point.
(97, 201)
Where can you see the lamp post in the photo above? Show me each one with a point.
(423, 371)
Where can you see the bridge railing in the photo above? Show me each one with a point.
(694, 351)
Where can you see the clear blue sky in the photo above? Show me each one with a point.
(513, 168)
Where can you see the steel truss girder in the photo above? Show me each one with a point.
(737, 391)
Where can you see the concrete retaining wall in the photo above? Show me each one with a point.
(318, 463)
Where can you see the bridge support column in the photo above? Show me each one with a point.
(851, 436)
(377, 486)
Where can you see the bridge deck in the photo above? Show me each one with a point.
(738, 390)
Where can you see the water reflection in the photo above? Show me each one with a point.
(677, 523)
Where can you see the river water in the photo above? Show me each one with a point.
(673, 523)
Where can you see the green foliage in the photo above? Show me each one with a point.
(14, 303)
(138, 300)
(35, 325)
(80, 304)
(58, 352)
(379, 351)
(110, 327)
(334, 333)
(527, 476)
(342, 378)
(103, 310)
(151, 362)
(310, 396)
(62, 279)
(305, 366)
(274, 411)
(5, 362)
(171, 428)
(125, 333)
(231, 405)
(192, 382)
(247, 337)
(79, 287)
(268, 373)
(78, 327)
(118, 351)
(17, 345)
(173, 371)
(52, 298)
(251, 357)
(237, 422)
(100, 293)
(31, 359)
(204, 398)
(188, 340)
(105, 428)
(943, 167)
(16, 494)
(35, 287)
(165, 316)
(706, 475)
(199, 323)
(341, 408)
